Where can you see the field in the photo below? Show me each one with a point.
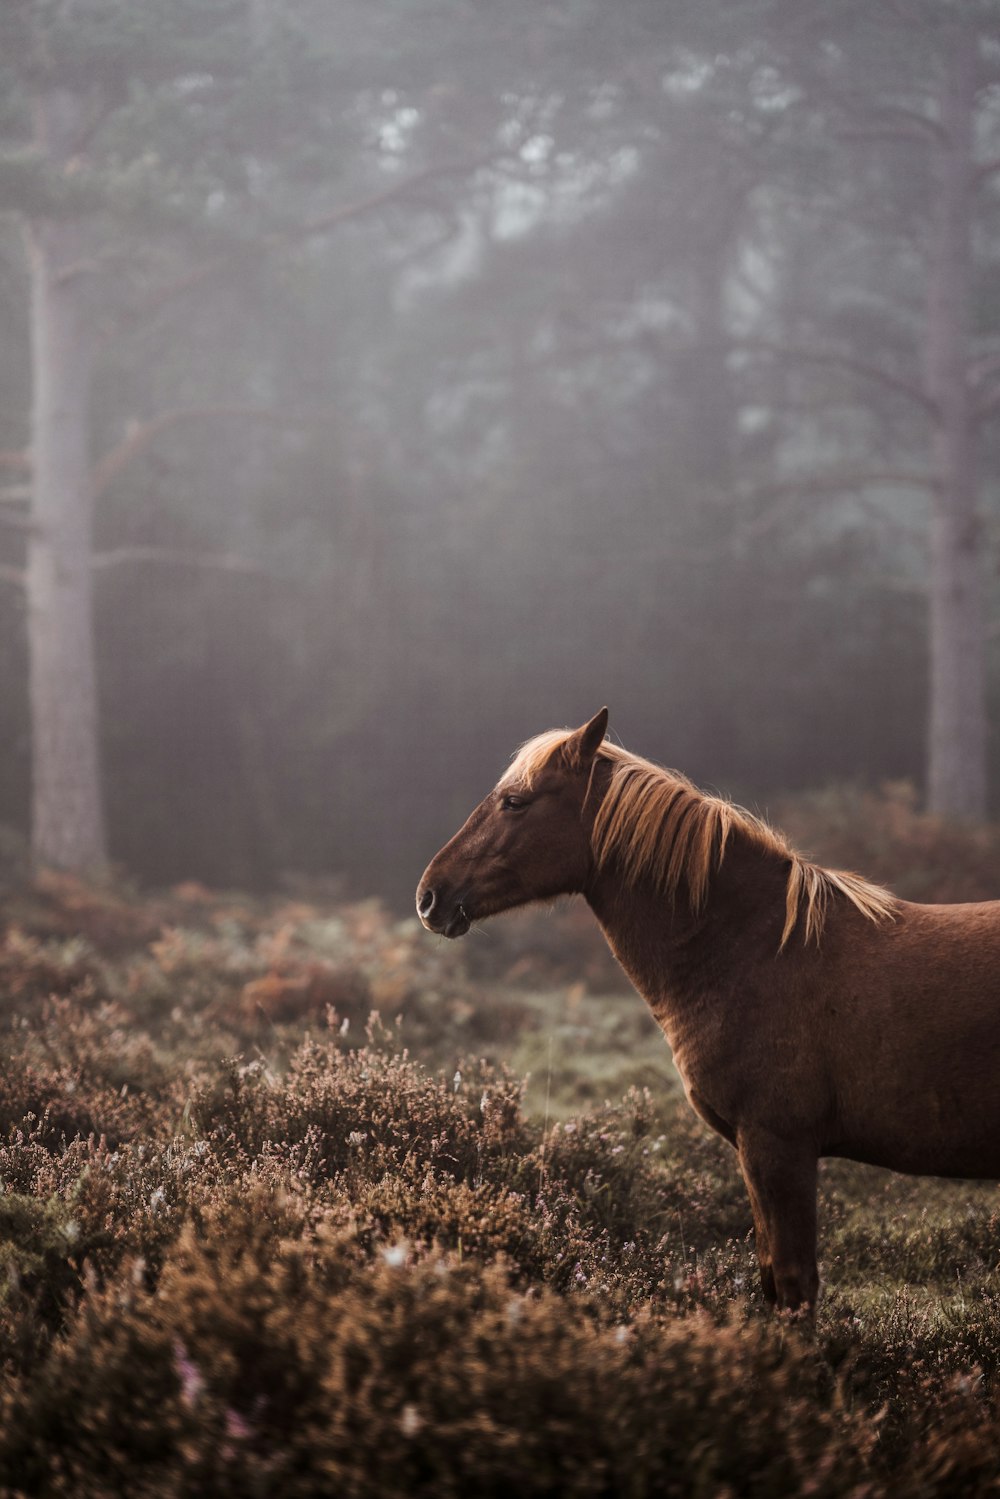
(297, 1200)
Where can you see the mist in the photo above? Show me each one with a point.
(452, 370)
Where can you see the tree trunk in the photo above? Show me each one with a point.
(957, 735)
(67, 817)
(711, 427)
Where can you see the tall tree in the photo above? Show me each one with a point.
(907, 98)
(79, 81)
(67, 811)
(957, 729)
(146, 153)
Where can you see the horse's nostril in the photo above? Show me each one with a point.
(425, 905)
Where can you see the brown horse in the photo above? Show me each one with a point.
(810, 1013)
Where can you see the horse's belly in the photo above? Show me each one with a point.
(967, 1161)
(935, 1127)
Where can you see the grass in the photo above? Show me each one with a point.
(280, 1214)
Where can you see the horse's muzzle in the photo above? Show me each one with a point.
(446, 917)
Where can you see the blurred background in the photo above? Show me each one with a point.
(452, 368)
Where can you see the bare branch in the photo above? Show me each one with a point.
(831, 481)
(989, 406)
(399, 190)
(78, 268)
(337, 216)
(846, 362)
(903, 131)
(847, 478)
(143, 434)
(926, 124)
(229, 562)
(106, 105)
(856, 106)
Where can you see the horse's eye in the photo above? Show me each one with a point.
(512, 803)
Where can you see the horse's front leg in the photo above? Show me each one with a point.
(763, 1247)
(780, 1176)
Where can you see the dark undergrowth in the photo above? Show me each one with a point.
(257, 1240)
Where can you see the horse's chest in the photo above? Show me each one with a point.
(708, 1066)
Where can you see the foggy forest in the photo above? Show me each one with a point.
(383, 382)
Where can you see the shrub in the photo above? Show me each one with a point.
(331, 1268)
(276, 1359)
(364, 1105)
(886, 837)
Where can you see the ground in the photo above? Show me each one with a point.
(297, 1199)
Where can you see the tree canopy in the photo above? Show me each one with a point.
(449, 369)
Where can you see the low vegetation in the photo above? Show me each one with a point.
(280, 1215)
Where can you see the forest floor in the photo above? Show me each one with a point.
(296, 1199)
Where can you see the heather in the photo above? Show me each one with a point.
(281, 1212)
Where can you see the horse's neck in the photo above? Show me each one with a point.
(676, 957)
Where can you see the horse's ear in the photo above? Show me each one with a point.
(582, 746)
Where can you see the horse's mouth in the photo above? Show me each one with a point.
(457, 924)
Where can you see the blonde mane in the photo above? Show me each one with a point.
(656, 824)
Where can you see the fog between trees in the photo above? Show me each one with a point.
(380, 384)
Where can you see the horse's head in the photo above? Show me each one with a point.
(528, 840)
